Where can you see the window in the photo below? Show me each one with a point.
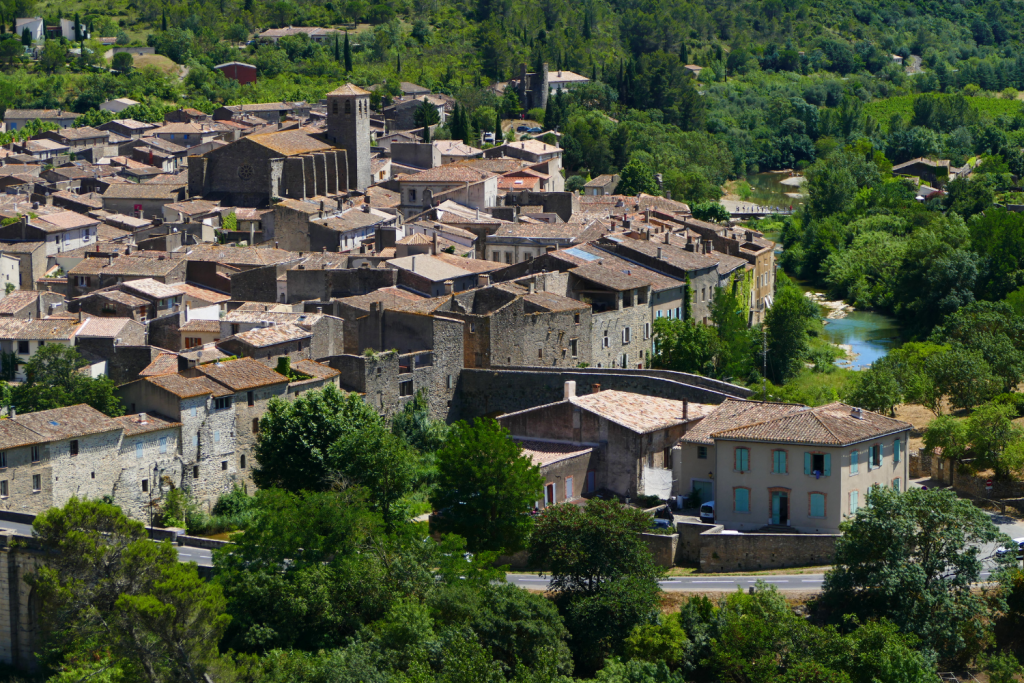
(817, 505)
(540, 353)
(195, 471)
(573, 347)
(37, 483)
(647, 330)
(252, 397)
(74, 447)
(818, 464)
(216, 436)
(222, 403)
(623, 360)
(779, 462)
(35, 454)
(896, 451)
(224, 465)
(163, 444)
(145, 485)
(348, 106)
(896, 484)
(741, 499)
(568, 488)
(875, 457)
(241, 462)
(23, 347)
(234, 328)
(854, 501)
(576, 318)
(3, 489)
(854, 465)
(591, 482)
(255, 425)
(450, 382)
(138, 450)
(742, 460)
(604, 341)
(193, 411)
(678, 313)
(508, 257)
(549, 494)
(658, 314)
(702, 452)
(703, 294)
(405, 388)
(195, 439)
(3, 459)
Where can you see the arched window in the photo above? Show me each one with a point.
(335, 106)
(348, 106)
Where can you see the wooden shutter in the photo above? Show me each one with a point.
(828, 464)
(854, 465)
(807, 463)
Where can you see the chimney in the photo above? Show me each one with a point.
(110, 260)
(319, 310)
(667, 236)
(686, 410)
(449, 286)
(275, 244)
(483, 280)
(142, 419)
(413, 266)
(750, 236)
(433, 246)
(531, 288)
(857, 413)
(366, 208)
(595, 388)
(647, 235)
(569, 391)
(659, 252)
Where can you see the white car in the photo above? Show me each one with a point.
(1019, 543)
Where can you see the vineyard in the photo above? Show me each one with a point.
(988, 107)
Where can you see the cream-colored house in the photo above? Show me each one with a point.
(771, 464)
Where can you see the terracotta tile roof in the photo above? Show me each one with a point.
(45, 329)
(733, 413)
(288, 143)
(63, 220)
(542, 453)
(532, 146)
(242, 374)
(106, 327)
(391, 297)
(601, 180)
(275, 334)
(142, 423)
(83, 133)
(430, 267)
(132, 123)
(121, 298)
(88, 199)
(163, 364)
(195, 207)
(450, 173)
(455, 147)
(314, 369)
(609, 277)
(19, 247)
(637, 412)
(349, 89)
(549, 301)
(17, 300)
(208, 326)
(207, 353)
(201, 293)
(14, 435)
(517, 183)
(152, 288)
(180, 386)
(658, 281)
(473, 265)
(126, 265)
(830, 425)
(67, 423)
(142, 191)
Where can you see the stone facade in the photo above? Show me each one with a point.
(348, 126)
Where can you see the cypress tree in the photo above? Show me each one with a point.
(683, 57)
(26, 37)
(549, 113)
(78, 30)
(337, 49)
(348, 55)
(426, 133)
(163, 21)
(3, 26)
(400, 65)
(14, 25)
(497, 127)
(593, 70)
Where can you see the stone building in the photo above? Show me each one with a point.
(629, 435)
(348, 126)
(544, 159)
(61, 231)
(532, 88)
(142, 200)
(32, 261)
(477, 189)
(97, 273)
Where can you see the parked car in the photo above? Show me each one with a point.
(489, 138)
(1018, 545)
(707, 512)
(535, 130)
(523, 129)
(660, 523)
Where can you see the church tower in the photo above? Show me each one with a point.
(348, 127)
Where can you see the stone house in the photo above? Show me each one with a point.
(199, 333)
(788, 465)
(541, 156)
(42, 150)
(61, 231)
(471, 187)
(112, 302)
(184, 134)
(78, 139)
(602, 185)
(141, 200)
(522, 240)
(630, 437)
(25, 304)
(402, 114)
(569, 470)
(15, 119)
(24, 337)
(127, 128)
(32, 261)
(118, 105)
(96, 273)
(267, 344)
(621, 332)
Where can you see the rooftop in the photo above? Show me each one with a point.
(449, 173)
(609, 277)
(260, 337)
(152, 288)
(163, 364)
(63, 220)
(289, 142)
(208, 326)
(241, 374)
(314, 369)
(17, 300)
(44, 328)
(835, 424)
(105, 327)
(734, 413)
(543, 453)
(142, 423)
(66, 423)
(640, 413)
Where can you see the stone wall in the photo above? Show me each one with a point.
(975, 486)
(256, 284)
(662, 547)
(125, 365)
(306, 285)
(525, 388)
(920, 465)
(19, 555)
(734, 552)
(164, 331)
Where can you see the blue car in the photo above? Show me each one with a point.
(535, 130)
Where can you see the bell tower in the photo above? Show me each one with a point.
(348, 127)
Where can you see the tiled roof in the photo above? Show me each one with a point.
(601, 180)
(242, 256)
(142, 423)
(63, 220)
(658, 281)
(533, 146)
(19, 247)
(105, 327)
(260, 337)
(349, 89)
(122, 298)
(152, 288)
(17, 300)
(181, 386)
(42, 114)
(289, 142)
(141, 191)
(517, 183)
(543, 453)
(241, 374)
(14, 435)
(676, 256)
(126, 265)
(67, 423)
(132, 123)
(609, 277)
(456, 148)
(201, 293)
(163, 364)
(207, 353)
(187, 128)
(637, 412)
(45, 329)
(391, 297)
(314, 369)
(473, 265)
(566, 77)
(733, 413)
(194, 207)
(207, 326)
(429, 267)
(83, 133)
(450, 173)
(830, 425)
(549, 301)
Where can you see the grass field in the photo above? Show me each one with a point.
(159, 61)
(883, 110)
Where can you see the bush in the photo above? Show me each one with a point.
(1016, 401)
(536, 114)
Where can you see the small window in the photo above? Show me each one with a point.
(163, 444)
(195, 439)
(74, 447)
(741, 498)
(742, 460)
(3, 489)
(241, 462)
(876, 457)
(224, 465)
(647, 330)
(138, 450)
(549, 495)
(252, 397)
(576, 318)
(854, 464)
(195, 471)
(216, 436)
(627, 334)
(568, 488)
(412, 195)
(23, 347)
(222, 403)
(817, 505)
(623, 360)
(540, 353)
(472, 328)
(604, 342)
(896, 484)
(573, 348)
(35, 454)
(896, 451)
(145, 485)
(92, 475)
(451, 382)
(779, 462)
(405, 388)
(702, 452)
(3, 459)
(255, 425)
(192, 411)
(37, 483)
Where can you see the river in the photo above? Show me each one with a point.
(767, 189)
(868, 335)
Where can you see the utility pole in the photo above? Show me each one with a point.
(764, 363)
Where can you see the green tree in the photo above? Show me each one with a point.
(123, 62)
(425, 116)
(989, 431)
(787, 321)
(293, 447)
(348, 55)
(53, 381)
(78, 29)
(26, 37)
(636, 178)
(946, 437)
(877, 389)
(510, 105)
(414, 424)
(684, 346)
(485, 487)
(729, 311)
(10, 49)
(382, 463)
(963, 377)
(53, 57)
(691, 186)
(710, 211)
(911, 558)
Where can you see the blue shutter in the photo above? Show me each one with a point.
(817, 505)
(828, 464)
(807, 463)
(854, 465)
(896, 484)
(896, 451)
(742, 500)
(853, 501)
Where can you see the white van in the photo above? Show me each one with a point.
(707, 512)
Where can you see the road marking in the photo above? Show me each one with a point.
(810, 580)
(532, 580)
(776, 580)
(712, 582)
(184, 555)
